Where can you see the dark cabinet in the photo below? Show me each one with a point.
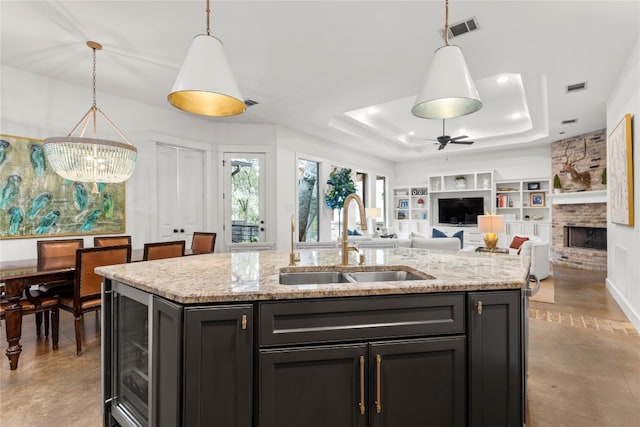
(218, 354)
(403, 362)
(495, 359)
(392, 383)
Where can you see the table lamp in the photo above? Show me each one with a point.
(373, 213)
(491, 224)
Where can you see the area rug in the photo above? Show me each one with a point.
(546, 293)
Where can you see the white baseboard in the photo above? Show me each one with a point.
(629, 311)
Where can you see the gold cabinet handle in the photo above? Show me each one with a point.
(244, 322)
(378, 398)
(479, 307)
(361, 405)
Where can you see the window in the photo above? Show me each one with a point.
(308, 204)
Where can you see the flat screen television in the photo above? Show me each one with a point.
(460, 211)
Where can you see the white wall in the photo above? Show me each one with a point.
(507, 163)
(623, 242)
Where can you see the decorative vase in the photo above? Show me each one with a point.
(556, 191)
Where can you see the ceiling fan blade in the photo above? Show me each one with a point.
(461, 142)
(441, 146)
(459, 137)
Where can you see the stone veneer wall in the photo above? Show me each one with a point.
(594, 162)
(580, 215)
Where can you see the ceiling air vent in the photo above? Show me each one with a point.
(250, 102)
(460, 28)
(568, 122)
(576, 87)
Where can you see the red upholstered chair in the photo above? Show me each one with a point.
(160, 250)
(203, 242)
(87, 286)
(111, 240)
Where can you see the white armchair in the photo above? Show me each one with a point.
(538, 250)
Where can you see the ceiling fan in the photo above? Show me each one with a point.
(446, 139)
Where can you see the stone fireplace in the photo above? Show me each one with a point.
(579, 236)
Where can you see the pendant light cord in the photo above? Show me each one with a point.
(446, 23)
(208, 12)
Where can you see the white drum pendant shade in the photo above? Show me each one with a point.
(448, 91)
(205, 84)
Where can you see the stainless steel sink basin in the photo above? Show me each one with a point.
(312, 278)
(383, 276)
(327, 277)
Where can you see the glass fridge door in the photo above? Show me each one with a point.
(132, 357)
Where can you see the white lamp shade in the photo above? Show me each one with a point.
(205, 84)
(448, 91)
(491, 223)
(373, 212)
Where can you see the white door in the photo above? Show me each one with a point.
(244, 194)
(180, 193)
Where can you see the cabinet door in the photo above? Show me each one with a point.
(495, 359)
(313, 386)
(418, 383)
(217, 366)
(167, 340)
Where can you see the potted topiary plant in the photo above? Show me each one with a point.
(461, 182)
(341, 186)
(556, 184)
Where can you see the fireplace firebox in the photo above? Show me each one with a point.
(585, 237)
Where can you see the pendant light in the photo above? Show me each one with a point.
(205, 84)
(448, 91)
(85, 159)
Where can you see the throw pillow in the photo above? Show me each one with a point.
(353, 233)
(459, 235)
(517, 242)
(437, 233)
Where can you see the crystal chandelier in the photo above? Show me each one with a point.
(85, 159)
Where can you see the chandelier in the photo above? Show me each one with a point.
(85, 159)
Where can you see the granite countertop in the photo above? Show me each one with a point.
(250, 276)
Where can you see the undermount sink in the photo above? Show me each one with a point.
(327, 277)
(312, 278)
(384, 276)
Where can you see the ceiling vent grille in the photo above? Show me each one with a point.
(250, 102)
(576, 87)
(462, 27)
(568, 122)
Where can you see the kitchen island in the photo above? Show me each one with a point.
(217, 340)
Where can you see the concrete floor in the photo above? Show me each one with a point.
(579, 373)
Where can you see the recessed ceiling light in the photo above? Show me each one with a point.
(502, 79)
(515, 116)
(372, 110)
(411, 133)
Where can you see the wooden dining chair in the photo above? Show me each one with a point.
(42, 305)
(86, 295)
(160, 250)
(203, 242)
(53, 255)
(99, 241)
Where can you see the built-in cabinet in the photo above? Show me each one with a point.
(526, 206)
(410, 210)
(454, 359)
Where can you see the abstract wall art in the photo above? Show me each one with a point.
(620, 172)
(36, 202)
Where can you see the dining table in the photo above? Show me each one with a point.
(20, 275)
